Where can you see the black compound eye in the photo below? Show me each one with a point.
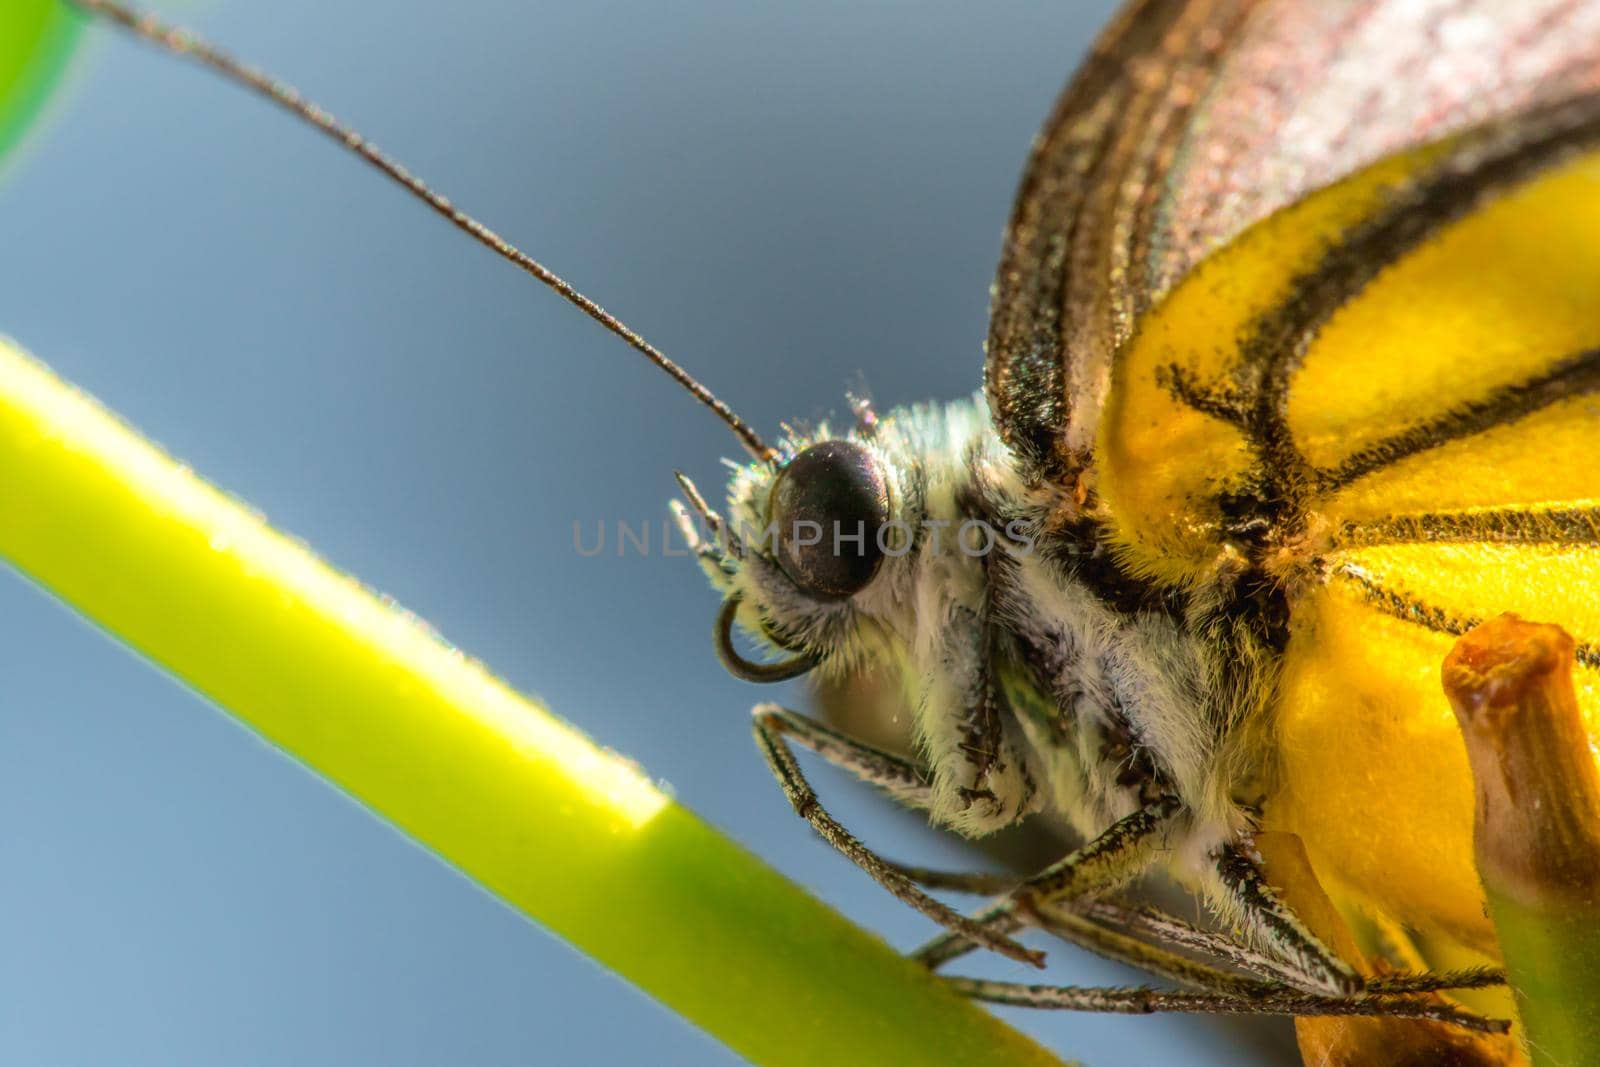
(828, 507)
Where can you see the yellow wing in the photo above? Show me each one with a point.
(1388, 396)
(1191, 120)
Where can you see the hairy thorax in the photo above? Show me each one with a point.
(1039, 675)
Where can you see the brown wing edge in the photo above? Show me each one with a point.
(1112, 130)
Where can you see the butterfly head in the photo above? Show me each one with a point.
(812, 559)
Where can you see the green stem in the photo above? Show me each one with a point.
(573, 836)
(36, 37)
(1554, 963)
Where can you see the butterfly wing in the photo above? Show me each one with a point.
(1172, 315)
(1192, 120)
(1386, 395)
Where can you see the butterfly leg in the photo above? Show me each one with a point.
(977, 883)
(1223, 991)
(1278, 927)
(1268, 986)
(1158, 960)
(1164, 928)
(1269, 999)
(775, 727)
(1123, 852)
(1151, 923)
(1160, 928)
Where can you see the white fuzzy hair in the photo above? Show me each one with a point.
(932, 617)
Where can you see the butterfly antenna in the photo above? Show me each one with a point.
(181, 42)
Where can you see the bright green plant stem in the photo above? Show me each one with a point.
(35, 40)
(573, 836)
(1554, 962)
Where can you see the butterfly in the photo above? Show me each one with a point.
(1292, 359)
(1288, 381)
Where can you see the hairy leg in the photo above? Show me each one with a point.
(1277, 926)
(1279, 1000)
(1112, 859)
(977, 883)
(1120, 854)
(776, 726)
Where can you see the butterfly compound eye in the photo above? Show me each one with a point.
(828, 506)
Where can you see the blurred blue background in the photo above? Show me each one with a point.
(782, 197)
